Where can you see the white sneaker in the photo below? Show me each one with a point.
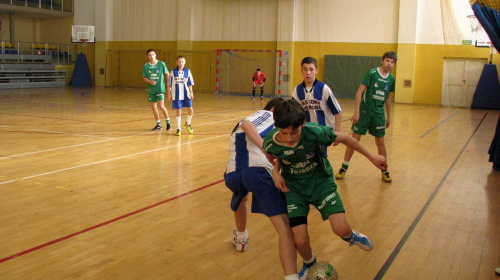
(241, 245)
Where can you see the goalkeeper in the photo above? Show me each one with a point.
(258, 78)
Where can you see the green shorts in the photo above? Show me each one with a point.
(325, 198)
(153, 97)
(375, 125)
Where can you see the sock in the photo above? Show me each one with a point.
(242, 235)
(179, 123)
(261, 91)
(168, 120)
(158, 122)
(310, 262)
(292, 277)
(348, 239)
(253, 92)
(345, 165)
(189, 118)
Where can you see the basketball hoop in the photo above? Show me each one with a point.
(474, 24)
(84, 40)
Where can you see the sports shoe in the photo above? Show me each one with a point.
(305, 268)
(189, 127)
(497, 271)
(157, 127)
(261, 97)
(169, 125)
(385, 177)
(361, 240)
(253, 97)
(340, 174)
(178, 133)
(241, 245)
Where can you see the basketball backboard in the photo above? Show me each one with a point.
(82, 34)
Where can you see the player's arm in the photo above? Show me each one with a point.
(191, 95)
(388, 110)
(279, 181)
(346, 139)
(357, 103)
(252, 133)
(169, 88)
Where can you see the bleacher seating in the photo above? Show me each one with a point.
(20, 68)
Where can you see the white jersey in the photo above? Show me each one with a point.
(320, 104)
(180, 81)
(243, 152)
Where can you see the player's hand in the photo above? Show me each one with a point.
(279, 181)
(336, 143)
(355, 118)
(152, 82)
(379, 162)
(387, 122)
(191, 96)
(270, 158)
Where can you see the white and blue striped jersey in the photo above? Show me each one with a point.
(320, 104)
(180, 81)
(243, 152)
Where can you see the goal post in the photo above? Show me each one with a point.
(235, 69)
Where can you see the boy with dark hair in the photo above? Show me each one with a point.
(258, 78)
(155, 73)
(316, 98)
(373, 93)
(307, 177)
(248, 170)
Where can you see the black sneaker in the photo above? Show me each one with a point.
(157, 127)
(169, 126)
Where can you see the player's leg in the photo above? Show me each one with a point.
(288, 255)
(156, 115)
(165, 113)
(341, 228)
(302, 244)
(239, 206)
(347, 157)
(262, 91)
(178, 117)
(188, 119)
(377, 129)
(253, 89)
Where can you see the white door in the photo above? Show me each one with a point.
(460, 78)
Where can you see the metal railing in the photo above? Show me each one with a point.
(55, 53)
(58, 5)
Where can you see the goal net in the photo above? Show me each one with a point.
(235, 69)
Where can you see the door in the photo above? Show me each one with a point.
(460, 80)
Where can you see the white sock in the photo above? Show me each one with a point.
(242, 235)
(292, 277)
(345, 163)
(311, 260)
(179, 123)
(189, 117)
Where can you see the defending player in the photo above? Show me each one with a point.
(373, 93)
(317, 98)
(258, 78)
(307, 177)
(248, 170)
(180, 91)
(155, 73)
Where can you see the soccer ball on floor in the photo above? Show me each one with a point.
(322, 271)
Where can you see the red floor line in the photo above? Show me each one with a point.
(104, 223)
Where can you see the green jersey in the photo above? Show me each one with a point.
(378, 89)
(304, 164)
(155, 73)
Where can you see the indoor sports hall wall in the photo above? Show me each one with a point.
(414, 29)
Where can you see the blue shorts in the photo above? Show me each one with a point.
(179, 104)
(266, 198)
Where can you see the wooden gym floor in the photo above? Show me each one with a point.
(87, 191)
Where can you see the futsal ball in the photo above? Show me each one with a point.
(322, 271)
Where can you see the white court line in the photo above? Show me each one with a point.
(89, 143)
(56, 132)
(108, 160)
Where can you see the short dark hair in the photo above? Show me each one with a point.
(289, 113)
(309, 60)
(258, 69)
(273, 103)
(392, 55)
(180, 56)
(150, 50)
